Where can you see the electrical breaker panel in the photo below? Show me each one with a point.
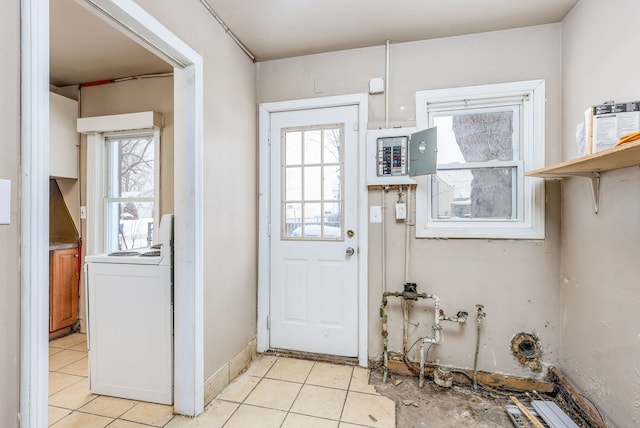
(395, 155)
(392, 156)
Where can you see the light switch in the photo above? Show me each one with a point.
(5, 201)
(375, 214)
(401, 211)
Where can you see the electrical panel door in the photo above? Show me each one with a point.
(395, 155)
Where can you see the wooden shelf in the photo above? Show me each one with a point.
(591, 166)
(618, 157)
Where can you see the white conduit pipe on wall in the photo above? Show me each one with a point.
(383, 255)
(407, 248)
(227, 30)
(386, 85)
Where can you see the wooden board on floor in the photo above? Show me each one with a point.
(488, 379)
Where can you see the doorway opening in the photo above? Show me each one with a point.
(137, 24)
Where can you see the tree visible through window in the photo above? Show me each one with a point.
(488, 136)
(481, 139)
(130, 191)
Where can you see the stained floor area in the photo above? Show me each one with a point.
(438, 407)
(273, 392)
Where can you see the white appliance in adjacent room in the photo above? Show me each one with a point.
(130, 321)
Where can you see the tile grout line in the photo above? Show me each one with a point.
(245, 398)
(344, 403)
(298, 394)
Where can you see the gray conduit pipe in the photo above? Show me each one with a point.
(479, 315)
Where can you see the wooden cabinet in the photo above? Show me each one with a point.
(63, 137)
(63, 289)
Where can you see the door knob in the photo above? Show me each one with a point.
(350, 251)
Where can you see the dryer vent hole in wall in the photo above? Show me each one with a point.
(526, 348)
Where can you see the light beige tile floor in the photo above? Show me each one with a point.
(273, 392)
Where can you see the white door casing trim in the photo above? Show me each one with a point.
(264, 192)
(136, 23)
(34, 214)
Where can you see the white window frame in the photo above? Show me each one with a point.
(106, 200)
(528, 223)
(97, 128)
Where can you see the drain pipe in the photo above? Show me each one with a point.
(479, 315)
(437, 337)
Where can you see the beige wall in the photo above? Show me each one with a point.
(600, 350)
(517, 281)
(10, 234)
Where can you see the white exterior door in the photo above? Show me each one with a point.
(314, 237)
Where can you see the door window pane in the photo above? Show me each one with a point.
(312, 183)
(332, 149)
(332, 184)
(293, 148)
(293, 219)
(312, 147)
(293, 184)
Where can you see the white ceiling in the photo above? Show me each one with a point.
(85, 49)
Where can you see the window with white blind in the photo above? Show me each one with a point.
(488, 136)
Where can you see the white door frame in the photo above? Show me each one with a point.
(136, 23)
(264, 186)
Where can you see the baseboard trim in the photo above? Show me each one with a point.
(229, 371)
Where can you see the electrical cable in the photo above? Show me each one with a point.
(593, 405)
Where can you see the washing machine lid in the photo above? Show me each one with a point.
(158, 254)
(153, 255)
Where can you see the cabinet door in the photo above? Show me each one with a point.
(64, 289)
(63, 137)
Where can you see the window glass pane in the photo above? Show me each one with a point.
(332, 149)
(293, 184)
(475, 137)
(293, 148)
(293, 219)
(130, 225)
(312, 147)
(312, 183)
(471, 194)
(312, 220)
(131, 167)
(332, 185)
(332, 221)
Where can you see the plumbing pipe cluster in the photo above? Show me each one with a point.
(436, 338)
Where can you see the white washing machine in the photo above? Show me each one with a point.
(130, 321)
